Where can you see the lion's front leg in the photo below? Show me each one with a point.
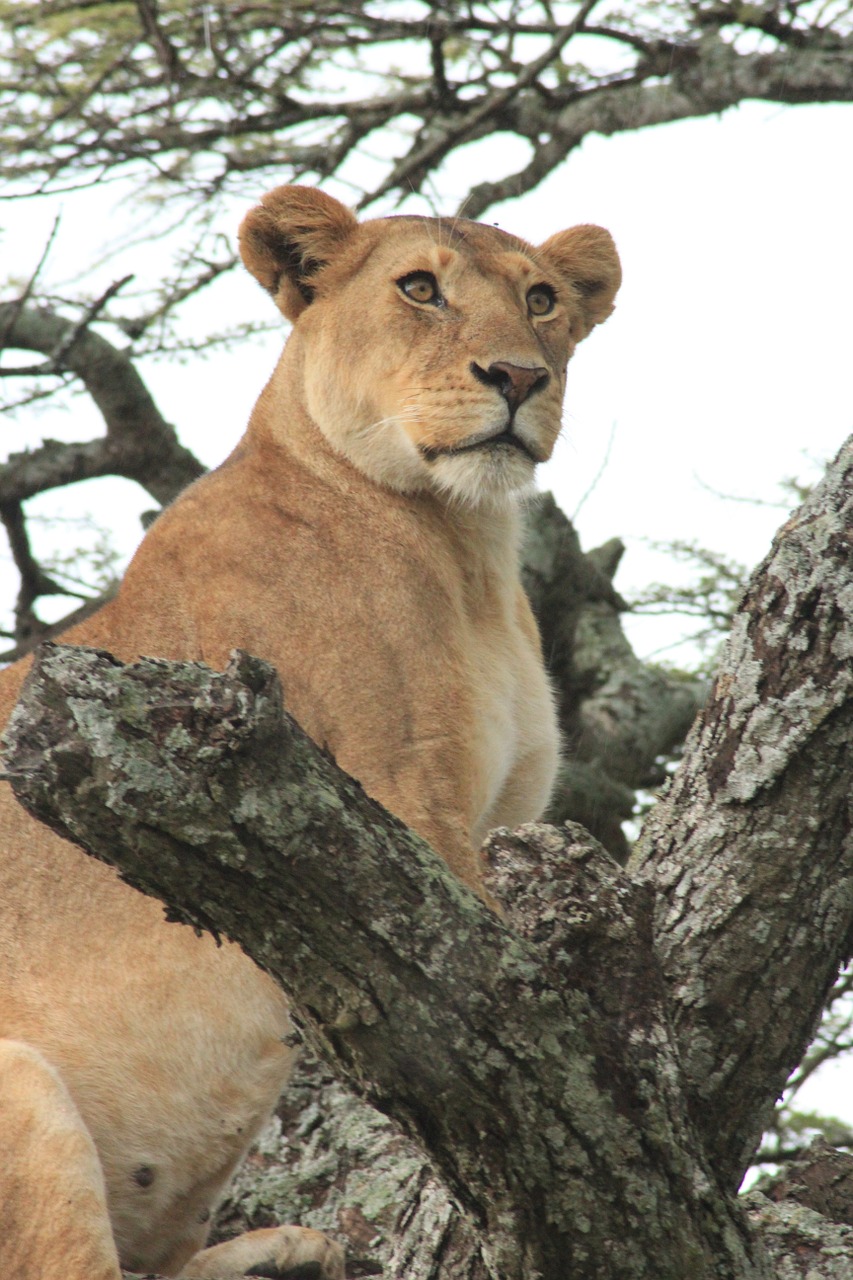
(54, 1212)
(276, 1253)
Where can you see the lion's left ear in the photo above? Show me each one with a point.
(587, 256)
(288, 239)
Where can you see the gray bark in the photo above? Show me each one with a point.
(800, 1243)
(750, 850)
(820, 1179)
(749, 856)
(548, 1095)
(331, 1161)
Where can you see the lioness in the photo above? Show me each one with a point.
(363, 537)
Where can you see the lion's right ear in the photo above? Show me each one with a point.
(587, 257)
(289, 238)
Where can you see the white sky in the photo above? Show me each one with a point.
(726, 365)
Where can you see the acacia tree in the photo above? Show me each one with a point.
(188, 103)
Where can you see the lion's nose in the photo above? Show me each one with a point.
(515, 382)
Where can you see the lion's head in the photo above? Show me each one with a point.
(434, 349)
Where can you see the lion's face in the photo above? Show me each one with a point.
(434, 351)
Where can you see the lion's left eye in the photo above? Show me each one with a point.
(421, 286)
(541, 300)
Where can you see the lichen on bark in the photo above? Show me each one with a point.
(750, 850)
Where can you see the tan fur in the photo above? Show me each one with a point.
(363, 537)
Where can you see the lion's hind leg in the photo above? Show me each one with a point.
(55, 1224)
(275, 1252)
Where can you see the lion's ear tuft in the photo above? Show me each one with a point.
(289, 238)
(588, 257)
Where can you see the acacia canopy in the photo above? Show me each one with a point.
(196, 100)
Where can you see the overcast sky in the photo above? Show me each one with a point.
(726, 367)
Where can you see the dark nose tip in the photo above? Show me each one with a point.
(515, 382)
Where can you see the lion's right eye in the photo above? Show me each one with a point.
(421, 286)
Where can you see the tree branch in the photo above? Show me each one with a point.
(751, 848)
(546, 1094)
(139, 443)
(747, 853)
(700, 78)
(205, 120)
(29, 629)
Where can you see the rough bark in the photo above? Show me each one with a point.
(750, 850)
(800, 1243)
(820, 1179)
(547, 1094)
(331, 1161)
(804, 1227)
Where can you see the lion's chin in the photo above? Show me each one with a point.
(495, 476)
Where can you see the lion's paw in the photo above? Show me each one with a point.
(277, 1253)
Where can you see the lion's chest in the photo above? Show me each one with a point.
(515, 738)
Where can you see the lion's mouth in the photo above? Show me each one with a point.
(506, 437)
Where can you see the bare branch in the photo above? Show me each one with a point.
(29, 629)
(139, 443)
(248, 92)
(411, 171)
(700, 78)
(165, 50)
(44, 631)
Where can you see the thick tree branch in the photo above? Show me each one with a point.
(546, 1094)
(751, 848)
(750, 854)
